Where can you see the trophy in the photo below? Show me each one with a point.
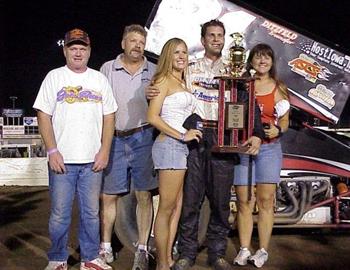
(236, 56)
(232, 115)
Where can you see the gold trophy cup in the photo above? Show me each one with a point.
(237, 55)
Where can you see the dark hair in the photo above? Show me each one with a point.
(265, 49)
(262, 49)
(211, 23)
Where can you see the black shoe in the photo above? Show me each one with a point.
(182, 264)
(221, 264)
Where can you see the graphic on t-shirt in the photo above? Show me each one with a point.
(71, 94)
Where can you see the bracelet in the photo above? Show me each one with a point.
(182, 137)
(51, 151)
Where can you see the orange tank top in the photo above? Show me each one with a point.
(267, 107)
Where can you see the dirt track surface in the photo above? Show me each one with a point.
(24, 213)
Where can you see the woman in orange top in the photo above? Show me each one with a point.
(272, 98)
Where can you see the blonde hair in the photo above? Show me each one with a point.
(165, 61)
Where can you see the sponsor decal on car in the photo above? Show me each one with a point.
(323, 95)
(280, 32)
(310, 69)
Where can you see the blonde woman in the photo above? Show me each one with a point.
(167, 113)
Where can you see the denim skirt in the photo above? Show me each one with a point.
(169, 153)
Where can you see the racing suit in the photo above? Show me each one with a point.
(208, 173)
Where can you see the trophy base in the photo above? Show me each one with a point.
(229, 149)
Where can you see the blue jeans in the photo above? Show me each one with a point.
(81, 180)
(130, 164)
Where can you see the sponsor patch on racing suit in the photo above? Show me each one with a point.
(201, 73)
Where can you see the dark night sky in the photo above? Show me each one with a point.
(30, 29)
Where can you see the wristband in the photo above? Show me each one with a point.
(51, 151)
(182, 137)
(280, 133)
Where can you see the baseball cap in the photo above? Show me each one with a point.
(77, 36)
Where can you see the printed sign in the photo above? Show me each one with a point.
(13, 130)
(30, 121)
(12, 112)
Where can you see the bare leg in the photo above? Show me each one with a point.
(108, 215)
(144, 212)
(174, 221)
(265, 200)
(244, 215)
(170, 185)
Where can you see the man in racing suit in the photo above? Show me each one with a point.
(209, 173)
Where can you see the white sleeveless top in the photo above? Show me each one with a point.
(176, 108)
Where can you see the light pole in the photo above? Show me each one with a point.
(13, 98)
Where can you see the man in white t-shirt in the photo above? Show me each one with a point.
(76, 109)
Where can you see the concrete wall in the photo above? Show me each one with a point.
(23, 171)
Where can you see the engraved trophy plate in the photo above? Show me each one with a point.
(234, 116)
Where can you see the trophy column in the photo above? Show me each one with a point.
(232, 116)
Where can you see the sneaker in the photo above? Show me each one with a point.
(140, 260)
(259, 258)
(242, 256)
(182, 264)
(221, 264)
(106, 255)
(56, 265)
(97, 264)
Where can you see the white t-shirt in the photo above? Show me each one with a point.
(77, 103)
